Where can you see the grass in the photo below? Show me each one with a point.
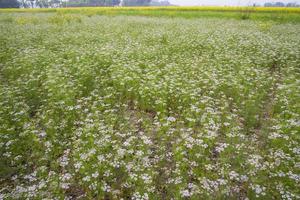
(134, 107)
(254, 13)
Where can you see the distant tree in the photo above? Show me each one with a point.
(34, 3)
(278, 4)
(96, 2)
(78, 3)
(42, 3)
(160, 3)
(292, 5)
(268, 4)
(55, 3)
(115, 2)
(31, 3)
(9, 4)
(136, 2)
(24, 3)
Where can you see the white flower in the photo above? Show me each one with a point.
(171, 119)
(95, 175)
(234, 176)
(185, 193)
(42, 134)
(86, 178)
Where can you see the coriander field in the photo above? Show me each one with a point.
(135, 107)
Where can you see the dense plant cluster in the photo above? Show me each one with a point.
(148, 108)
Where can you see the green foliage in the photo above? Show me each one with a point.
(61, 19)
(9, 4)
(27, 20)
(7, 19)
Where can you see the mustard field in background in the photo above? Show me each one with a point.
(255, 13)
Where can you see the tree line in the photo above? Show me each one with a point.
(281, 4)
(77, 3)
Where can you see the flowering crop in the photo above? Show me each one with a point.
(106, 107)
